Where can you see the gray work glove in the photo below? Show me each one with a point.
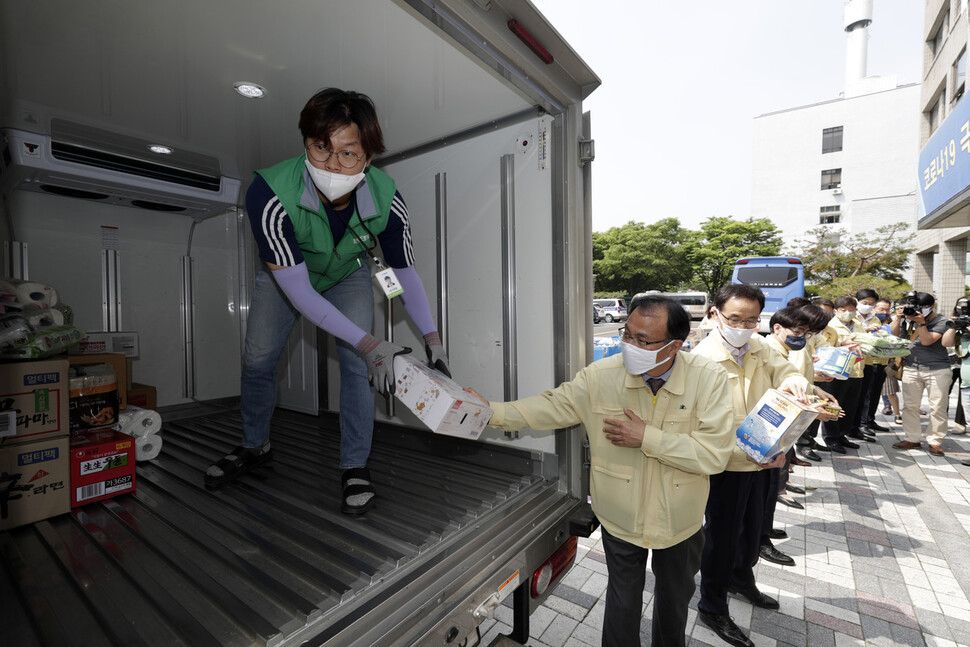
(437, 359)
(379, 356)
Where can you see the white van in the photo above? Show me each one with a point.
(613, 309)
(695, 303)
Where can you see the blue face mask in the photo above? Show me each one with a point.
(795, 342)
(882, 317)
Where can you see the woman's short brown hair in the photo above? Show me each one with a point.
(333, 108)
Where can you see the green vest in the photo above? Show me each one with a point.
(327, 263)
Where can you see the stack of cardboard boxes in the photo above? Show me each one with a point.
(45, 470)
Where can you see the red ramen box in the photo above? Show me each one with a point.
(102, 465)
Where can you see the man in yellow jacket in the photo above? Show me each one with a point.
(735, 508)
(659, 422)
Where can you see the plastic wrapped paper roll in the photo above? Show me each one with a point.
(29, 292)
(43, 317)
(15, 331)
(148, 447)
(139, 422)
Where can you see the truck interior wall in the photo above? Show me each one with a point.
(64, 249)
(474, 271)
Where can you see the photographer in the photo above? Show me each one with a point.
(957, 337)
(926, 368)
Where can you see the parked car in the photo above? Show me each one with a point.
(613, 309)
(597, 314)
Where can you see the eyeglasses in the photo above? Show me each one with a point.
(734, 322)
(639, 340)
(319, 154)
(806, 335)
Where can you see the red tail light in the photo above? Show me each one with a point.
(553, 567)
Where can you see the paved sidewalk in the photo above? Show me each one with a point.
(882, 552)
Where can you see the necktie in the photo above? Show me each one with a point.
(655, 384)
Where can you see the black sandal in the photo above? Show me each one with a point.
(237, 463)
(356, 484)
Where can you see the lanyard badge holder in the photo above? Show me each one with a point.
(384, 276)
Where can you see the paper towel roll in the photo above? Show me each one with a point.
(139, 422)
(30, 292)
(41, 316)
(148, 447)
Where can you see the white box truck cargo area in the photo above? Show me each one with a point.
(488, 145)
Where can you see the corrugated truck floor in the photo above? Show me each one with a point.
(253, 562)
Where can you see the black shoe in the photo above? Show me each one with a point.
(790, 502)
(867, 432)
(725, 629)
(794, 489)
(775, 556)
(965, 462)
(359, 493)
(810, 455)
(237, 463)
(875, 426)
(858, 435)
(777, 533)
(755, 597)
(848, 443)
(836, 447)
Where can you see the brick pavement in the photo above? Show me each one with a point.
(882, 552)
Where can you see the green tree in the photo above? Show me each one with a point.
(849, 285)
(638, 257)
(829, 255)
(722, 240)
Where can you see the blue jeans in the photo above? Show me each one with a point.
(271, 319)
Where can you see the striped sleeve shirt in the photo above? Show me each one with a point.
(276, 238)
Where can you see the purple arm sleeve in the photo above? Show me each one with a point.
(415, 300)
(295, 283)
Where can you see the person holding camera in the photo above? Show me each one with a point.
(957, 336)
(927, 368)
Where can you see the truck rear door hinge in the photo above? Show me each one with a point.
(587, 150)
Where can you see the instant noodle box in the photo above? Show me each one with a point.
(33, 400)
(773, 425)
(439, 402)
(34, 481)
(102, 465)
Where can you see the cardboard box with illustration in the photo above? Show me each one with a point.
(34, 481)
(439, 402)
(34, 399)
(102, 465)
(773, 426)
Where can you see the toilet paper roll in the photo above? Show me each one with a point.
(66, 312)
(29, 292)
(139, 422)
(148, 447)
(41, 317)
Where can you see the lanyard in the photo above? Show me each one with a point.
(367, 250)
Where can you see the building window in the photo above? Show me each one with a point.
(832, 178)
(959, 75)
(936, 40)
(832, 139)
(934, 116)
(829, 215)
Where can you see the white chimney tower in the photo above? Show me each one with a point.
(857, 16)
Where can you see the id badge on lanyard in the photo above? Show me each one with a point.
(387, 279)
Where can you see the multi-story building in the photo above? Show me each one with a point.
(944, 160)
(844, 164)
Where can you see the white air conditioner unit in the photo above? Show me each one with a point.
(92, 164)
(837, 191)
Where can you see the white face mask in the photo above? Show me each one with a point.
(864, 308)
(638, 361)
(333, 185)
(926, 311)
(845, 315)
(737, 337)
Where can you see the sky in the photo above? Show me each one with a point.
(683, 81)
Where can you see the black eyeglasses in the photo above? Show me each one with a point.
(639, 340)
(320, 154)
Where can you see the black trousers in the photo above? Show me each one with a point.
(674, 569)
(861, 417)
(832, 429)
(732, 536)
(875, 392)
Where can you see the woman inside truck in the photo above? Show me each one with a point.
(317, 219)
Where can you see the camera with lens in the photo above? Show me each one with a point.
(910, 304)
(961, 320)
